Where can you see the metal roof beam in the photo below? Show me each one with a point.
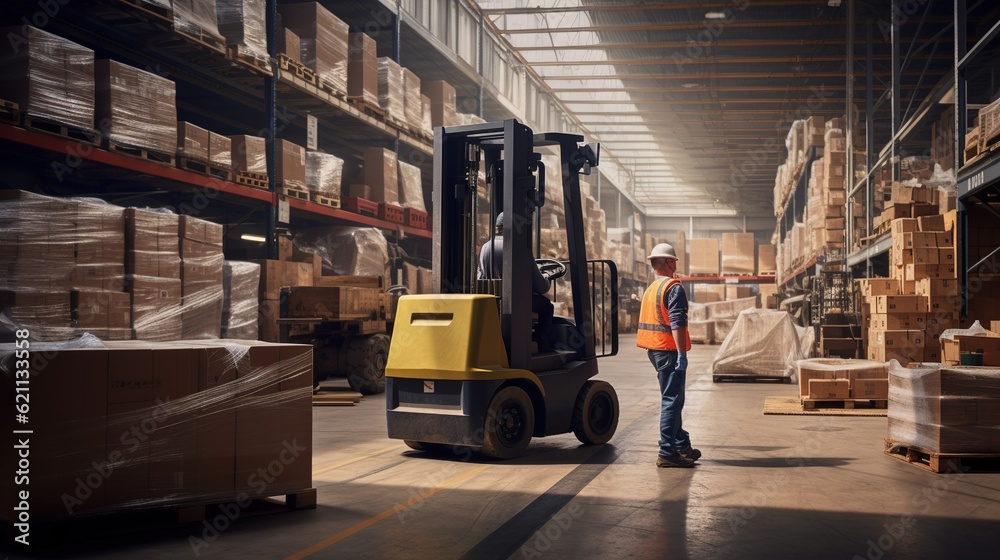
(684, 60)
(619, 7)
(674, 26)
(719, 76)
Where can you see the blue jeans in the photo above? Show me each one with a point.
(673, 438)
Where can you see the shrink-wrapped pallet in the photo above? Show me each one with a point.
(47, 76)
(240, 282)
(323, 174)
(391, 88)
(323, 41)
(761, 343)
(411, 187)
(945, 409)
(347, 251)
(241, 22)
(135, 108)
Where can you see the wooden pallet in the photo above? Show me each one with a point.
(767, 273)
(202, 167)
(366, 106)
(302, 499)
(199, 36)
(811, 404)
(750, 378)
(300, 70)
(48, 126)
(253, 61)
(325, 200)
(291, 192)
(10, 112)
(942, 462)
(331, 89)
(141, 153)
(251, 179)
(336, 397)
(164, 13)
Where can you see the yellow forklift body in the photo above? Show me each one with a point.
(452, 337)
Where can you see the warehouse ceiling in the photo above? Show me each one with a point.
(695, 99)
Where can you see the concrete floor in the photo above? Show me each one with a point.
(767, 487)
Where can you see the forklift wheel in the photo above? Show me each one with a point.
(363, 359)
(595, 417)
(510, 421)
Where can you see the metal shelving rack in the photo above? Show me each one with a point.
(978, 182)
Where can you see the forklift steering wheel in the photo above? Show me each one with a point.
(551, 268)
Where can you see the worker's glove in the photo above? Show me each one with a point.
(682, 363)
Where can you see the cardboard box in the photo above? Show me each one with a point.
(875, 389)
(989, 346)
(249, 154)
(290, 167)
(920, 240)
(704, 255)
(98, 309)
(201, 231)
(898, 304)
(220, 150)
(943, 304)
(334, 303)
(413, 106)
(738, 253)
(829, 389)
(738, 292)
(289, 44)
(381, 174)
(192, 141)
(360, 191)
(215, 431)
(766, 259)
(443, 99)
(931, 223)
(898, 321)
(362, 68)
(295, 415)
(878, 287)
(937, 287)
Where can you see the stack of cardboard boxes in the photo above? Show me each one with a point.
(201, 278)
(242, 24)
(239, 306)
(362, 68)
(153, 274)
(135, 108)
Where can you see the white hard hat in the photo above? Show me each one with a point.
(662, 251)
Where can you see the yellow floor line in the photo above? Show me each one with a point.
(391, 511)
(354, 460)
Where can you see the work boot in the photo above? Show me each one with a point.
(690, 453)
(675, 461)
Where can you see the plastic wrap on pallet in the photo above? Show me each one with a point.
(323, 174)
(413, 108)
(135, 108)
(153, 273)
(323, 40)
(391, 88)
(211, 417)
(240, 305)
(762, 342)
(945, 410)
(202, 293)
(702, 332)
(347, 251)
(57, 254)
(249, 154)
(196, 18)
(47, 76)
(411, 187)
(241, 22)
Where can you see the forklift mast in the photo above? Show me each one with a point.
(516, 183)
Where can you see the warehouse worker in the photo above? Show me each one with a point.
(663, 333)
(491, 267)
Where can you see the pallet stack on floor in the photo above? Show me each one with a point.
(842, 382)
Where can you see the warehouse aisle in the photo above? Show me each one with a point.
(767, 486)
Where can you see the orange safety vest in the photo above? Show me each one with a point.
(654, 331)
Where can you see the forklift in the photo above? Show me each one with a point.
(462, 371)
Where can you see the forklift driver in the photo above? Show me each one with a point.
(491, 267)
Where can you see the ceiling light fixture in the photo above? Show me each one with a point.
(691, 85)
(833, 3)
(715, 15)
(255, 238)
